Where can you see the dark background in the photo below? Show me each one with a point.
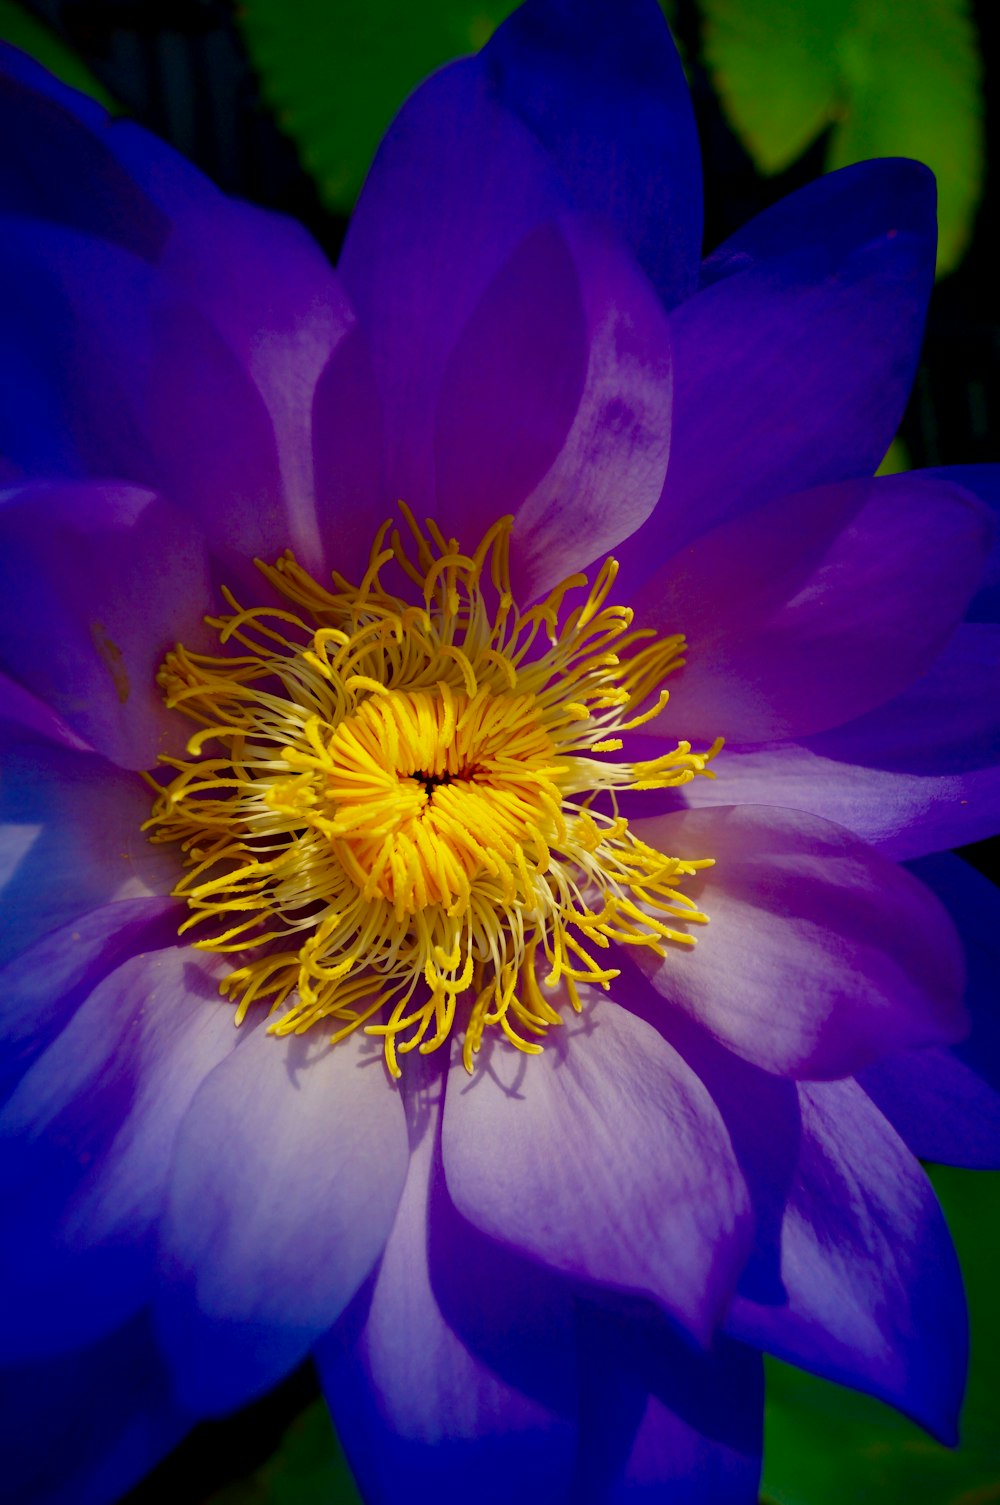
(180, 68)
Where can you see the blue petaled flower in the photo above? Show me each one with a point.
(582, 1057)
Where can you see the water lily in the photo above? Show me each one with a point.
(490, 675)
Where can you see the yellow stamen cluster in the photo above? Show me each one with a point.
(390, 809)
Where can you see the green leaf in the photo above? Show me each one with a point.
(825, 1445)
(336, 71)
(24, 31)
(890, 78)
(306, 1468)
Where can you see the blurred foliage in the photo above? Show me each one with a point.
(22, 29)
(888, 78)
(307, 1468)
(825, 1444)
(336, 71)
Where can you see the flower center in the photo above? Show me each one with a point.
(426, 791)
(391, 809)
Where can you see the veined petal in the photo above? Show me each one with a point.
(659, 1420)
(875, 1295)
(102, 581)
(819, 955)
(555, 405)
(576, 1155)
(945, 1103)
(456, 1366)
(814, 609)
(511, 386)
(86, 1140)
(268, 1236)
(608, 475)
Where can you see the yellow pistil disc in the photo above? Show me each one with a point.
(388, 816)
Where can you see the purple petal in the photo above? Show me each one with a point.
(70, 840)
(262, 284)
(347, 458)
(104, 580)
(421, 252)
(819, 955)
(243, 270)
(605, 94)
(558, 394)
(20, 709)
(86, 1141)
(269, 1235)
(792, 367)
(456, 1368)
(83, 1428)
(983, 481)
(511, 386)
(814, 609)
(875, 1295)
(945, 1103)
(659, 1421)
(41, 988)
(609, 473)
(196, 382)
(762, 1118)
(915, 775)
(75, 343)
(146, 373)
(574, 1157)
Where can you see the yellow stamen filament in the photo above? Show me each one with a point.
(388, 816)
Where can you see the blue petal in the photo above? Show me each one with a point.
(100, 579)
(70, 839)
(455, 1370)
(945, 1102)
(874, 1291)
(83, 1428)
(793, 366)
(644, 1194)
(555, 406)
(285, 1178)
(913, 776)
(602, 88)
(85, 1143)
(984, 482)
(514, 145)
(41, 989)
(58, 164)
(660, 1422)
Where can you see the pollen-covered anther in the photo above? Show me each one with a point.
(390, 814)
